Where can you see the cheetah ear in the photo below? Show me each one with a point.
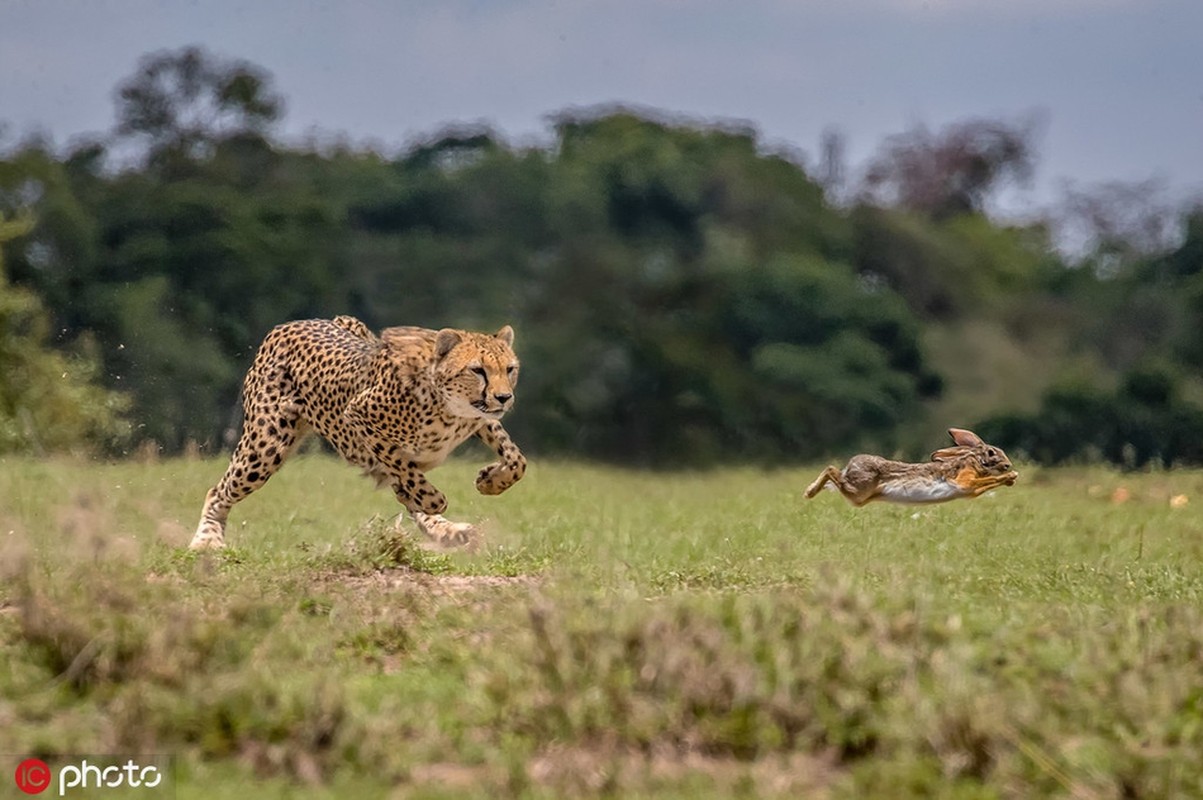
(506, 335)
(965, 438)
(445, 341)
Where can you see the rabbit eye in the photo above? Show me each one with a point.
(991, 452)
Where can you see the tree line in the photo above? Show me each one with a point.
(682, 292)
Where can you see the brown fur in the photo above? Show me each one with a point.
(969, 469)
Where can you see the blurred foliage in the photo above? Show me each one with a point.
(1144, 422)
(682, 292)
(954, 171)
(49, 400)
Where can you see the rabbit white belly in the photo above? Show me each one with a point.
(936, 491)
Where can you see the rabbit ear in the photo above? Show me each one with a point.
(965, 438)
(949, 453)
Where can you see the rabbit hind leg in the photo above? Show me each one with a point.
(830, 474)
(855, 494)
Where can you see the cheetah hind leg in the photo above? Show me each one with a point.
(253, 462)
(271, 430)
(445, 533)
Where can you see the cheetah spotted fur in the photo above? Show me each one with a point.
(396, 405)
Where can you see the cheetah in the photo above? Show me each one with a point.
(395, 405)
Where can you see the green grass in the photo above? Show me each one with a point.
(621, 632)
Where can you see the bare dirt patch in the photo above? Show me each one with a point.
(449, 585)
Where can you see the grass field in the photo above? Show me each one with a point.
(621, 633)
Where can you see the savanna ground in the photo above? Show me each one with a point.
(620, 632)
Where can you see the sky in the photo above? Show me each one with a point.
(1116, 84)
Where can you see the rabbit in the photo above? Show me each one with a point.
(968, 469)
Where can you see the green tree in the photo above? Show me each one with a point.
(49, 401)
(183, 102)
(1145, 421)
(683, 291)
(954, 171)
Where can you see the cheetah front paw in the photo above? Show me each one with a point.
(495, 479)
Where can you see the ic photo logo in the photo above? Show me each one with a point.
(92, 775)
(33, 776)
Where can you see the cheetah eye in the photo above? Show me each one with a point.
(478, 371)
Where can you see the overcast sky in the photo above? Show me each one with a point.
(1120, 82)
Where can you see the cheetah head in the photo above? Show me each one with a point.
(476, 372)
